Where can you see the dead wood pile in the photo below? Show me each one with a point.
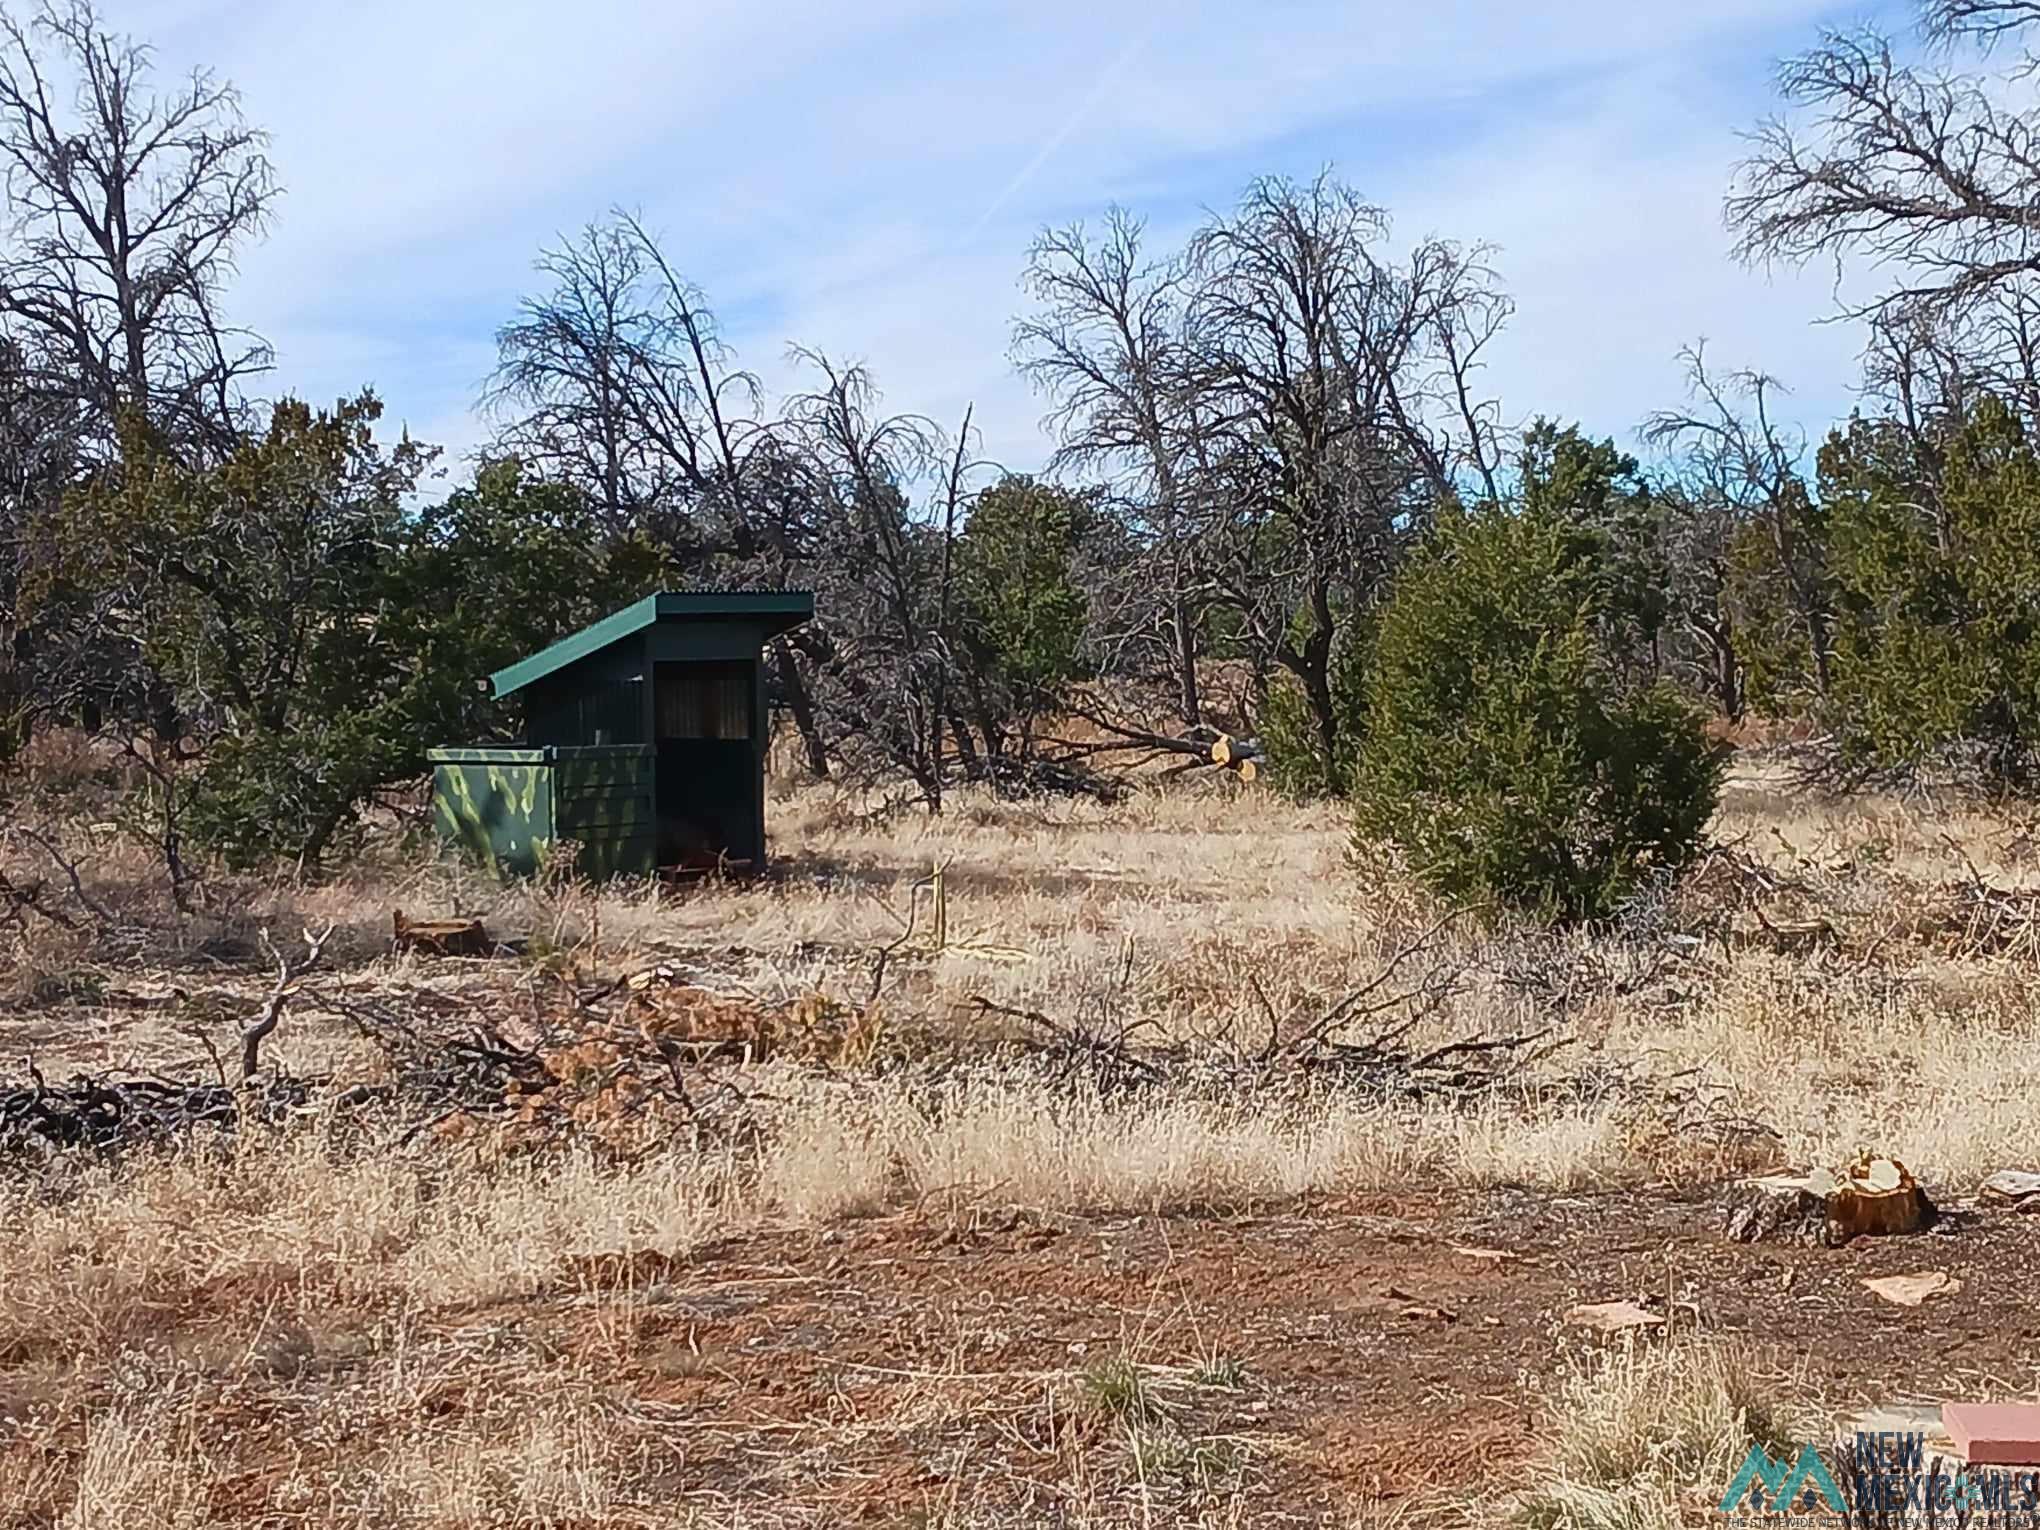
(1861, 912)
(114, 1111)
(625, 1066)
(1365, 1042)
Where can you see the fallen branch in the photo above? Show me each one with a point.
(287, 975)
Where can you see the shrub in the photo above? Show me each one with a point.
(320, 633)
(1502, 755)
(264, 795)
(1013, 561)
(1936, 564)
(1021, 615)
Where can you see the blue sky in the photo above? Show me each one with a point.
(864, 177)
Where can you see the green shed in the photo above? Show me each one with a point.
(644, 742)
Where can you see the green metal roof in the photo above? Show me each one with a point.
(771, 611)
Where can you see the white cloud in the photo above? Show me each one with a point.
(1607, 214)
(865, 178)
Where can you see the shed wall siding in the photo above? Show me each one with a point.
(604, 804)
(600, 700)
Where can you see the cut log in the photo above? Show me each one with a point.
(1248, 770)
(440, 937)
(1221, 751)
(1875, 1197)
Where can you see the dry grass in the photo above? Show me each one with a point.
(1644, 1436)
(1199, 916)
(358, 1313)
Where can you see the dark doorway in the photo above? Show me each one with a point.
(705, 726)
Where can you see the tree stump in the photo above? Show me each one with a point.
(1876, 1197)
(1777, 1208)
(440, 937)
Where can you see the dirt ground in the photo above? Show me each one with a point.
(1390, 1347)
(1376, 1355)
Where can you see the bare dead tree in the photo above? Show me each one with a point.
(616, 380)
(127, 207)
(954, 498)
(1339, 406)
(874, 648)
(1697, 528)
(787, 522)
(1743, 480)
(1925, 368)
(1108, 348)
(1275, 410)
(692, 402)
(1298, 430)
(563, 377)
(1454, 307)
(1929, 174)
(1985, 22)
(40, 455)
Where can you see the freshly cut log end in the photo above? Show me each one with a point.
(1879, 1214)
(440, 937)
(1248, 770)
(1221, 751)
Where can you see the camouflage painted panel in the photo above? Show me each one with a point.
(500, 813)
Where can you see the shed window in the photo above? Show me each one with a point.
(705, 700)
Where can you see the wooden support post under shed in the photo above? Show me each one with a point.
(645, 738)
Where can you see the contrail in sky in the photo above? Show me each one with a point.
(1107, 77)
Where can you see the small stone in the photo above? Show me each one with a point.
(1911, 1290)
(1613, 1317)
(2011, 1187)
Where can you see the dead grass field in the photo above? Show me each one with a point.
(1091, 1213)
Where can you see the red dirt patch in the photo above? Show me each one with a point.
(1279, 1368)
(1384, 1346)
